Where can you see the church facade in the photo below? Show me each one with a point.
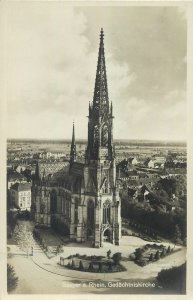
(83, 198)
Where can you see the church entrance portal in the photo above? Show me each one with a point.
(107, 235)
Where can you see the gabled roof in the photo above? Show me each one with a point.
(15, 176)
(71, 177)
(26, 186)
(46, 168)
(77, 168)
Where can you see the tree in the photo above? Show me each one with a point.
(177, 234)
(12, 217)
(12, 279)
(116, 258)
(100, 267)
(157, 255)
(151, 257)
(24, 238)
(168, 185)
(173, 279)
(138, 253)
(73, 264)
(81, 267)
(109, 253)
(90, 266)
(59, 248)
(110, 267)
(163, 253)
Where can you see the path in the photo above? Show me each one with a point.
(38, 274)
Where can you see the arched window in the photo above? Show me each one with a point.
(42, 208)
(76, 216)
(105, 188)
(76, 211)
(96, 136)
(90, 214)
(106, 212)
(67, 208)
(76, 203)
(105, 136)
(53, 202)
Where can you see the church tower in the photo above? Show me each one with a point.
(103, 220)
(83, 197)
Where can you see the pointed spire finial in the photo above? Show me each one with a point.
(100, 98)
(73, 146)
(73, 134)
(101, 34)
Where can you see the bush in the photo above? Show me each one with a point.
(138, 253)
(168, 250)
(100, 267)
(93, 257)
(124, 232)
(132, 256)
(142, 262)
(157, 255)
(100, 257)
(110, 266)
(59, 249)
(163, 253)
(173, 279)
(81, 267)
(178, 241)
(151, 257)
(73, 265)
(12, 279)
(117, 258)
(90, 266)
(12, 217)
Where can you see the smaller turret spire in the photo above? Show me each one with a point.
(73, 146)
(111, 108)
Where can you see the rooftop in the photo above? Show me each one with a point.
(21, 186)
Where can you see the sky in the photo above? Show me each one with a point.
(51, 61)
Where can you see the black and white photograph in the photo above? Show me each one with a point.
(96, 131)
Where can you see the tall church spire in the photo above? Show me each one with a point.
(100, 123)
(101, 99)
(73, 147)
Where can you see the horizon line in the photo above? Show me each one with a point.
(84, 139)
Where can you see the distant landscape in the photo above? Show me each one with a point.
(116, 141)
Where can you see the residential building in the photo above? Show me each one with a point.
(20, 194)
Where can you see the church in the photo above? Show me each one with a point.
(83, 198)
